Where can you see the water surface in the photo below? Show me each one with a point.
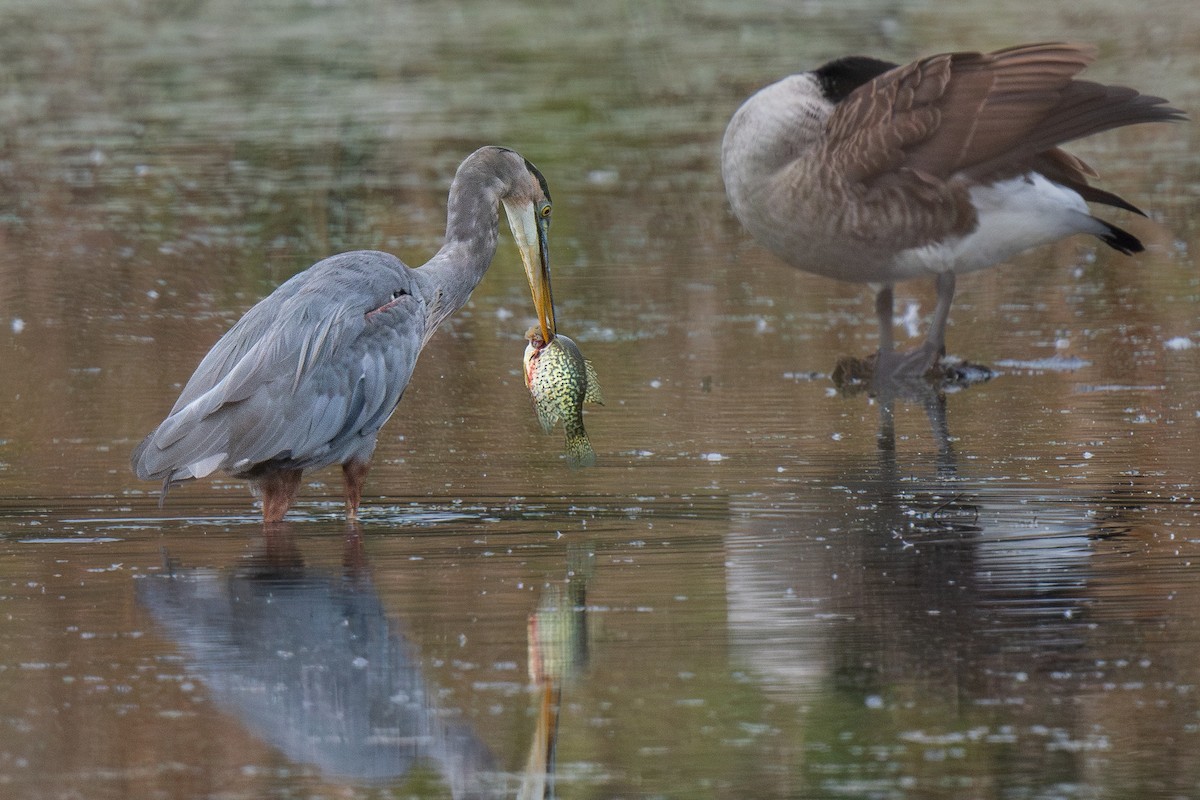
(763, 589)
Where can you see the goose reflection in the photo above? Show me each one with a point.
(932, 401)
(909, 571)
(915, 614)
(307, 659)
(929, 396)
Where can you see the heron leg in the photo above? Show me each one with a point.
(354, 473)
(278, 491)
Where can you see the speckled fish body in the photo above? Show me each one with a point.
(561, 380)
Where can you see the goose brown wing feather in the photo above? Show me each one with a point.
(980, 113)
(945, 113)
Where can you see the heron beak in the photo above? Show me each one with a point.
(529, 231)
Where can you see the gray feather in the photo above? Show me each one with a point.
(314, 387)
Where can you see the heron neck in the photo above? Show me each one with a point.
(472, 230)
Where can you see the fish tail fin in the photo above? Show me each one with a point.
(593, 393)
(579, 448)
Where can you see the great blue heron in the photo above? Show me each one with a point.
(872, 172)
(309, 375)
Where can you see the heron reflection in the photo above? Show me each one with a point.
(307, 659)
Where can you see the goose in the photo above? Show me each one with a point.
(871, 172)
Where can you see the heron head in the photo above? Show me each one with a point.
(527, 205)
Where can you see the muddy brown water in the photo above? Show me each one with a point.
(763, 589)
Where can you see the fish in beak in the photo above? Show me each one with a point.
(561, 380)
(529, 223)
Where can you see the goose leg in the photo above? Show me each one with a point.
(936, 338)
(885, 316)
(915, 363)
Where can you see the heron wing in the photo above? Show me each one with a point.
(322, 377)
(245, 334)
(348, 376)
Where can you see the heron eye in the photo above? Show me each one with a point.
(546, 211)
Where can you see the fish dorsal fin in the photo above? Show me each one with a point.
(593, 393)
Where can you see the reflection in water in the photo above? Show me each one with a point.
(909, 612)
(932, 400)
(930, 614)
(307, 659)
(921, 565)
(558, 651)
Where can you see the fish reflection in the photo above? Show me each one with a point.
(558, 652)
(307, 659)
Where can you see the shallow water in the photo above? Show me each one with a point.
(763, 589)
